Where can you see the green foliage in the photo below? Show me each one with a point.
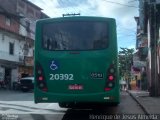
(125, 60)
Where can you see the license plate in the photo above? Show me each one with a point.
(75, 87)
(95, 75)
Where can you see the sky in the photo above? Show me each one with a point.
(123, 11)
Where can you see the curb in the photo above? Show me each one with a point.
(144, 109)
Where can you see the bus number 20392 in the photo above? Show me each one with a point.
(61, 77)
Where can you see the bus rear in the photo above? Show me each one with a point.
(76, 60)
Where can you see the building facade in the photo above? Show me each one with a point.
(148, 37)
(17, 33)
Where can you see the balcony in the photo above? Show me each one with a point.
(29, 61)
(142, 41)
(13, 58)
(143, 53)
(27, 28)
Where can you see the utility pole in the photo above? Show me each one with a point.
(153, 29)
(155, 49)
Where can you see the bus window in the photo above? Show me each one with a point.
(75, 36)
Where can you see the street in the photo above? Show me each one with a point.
(19, 105)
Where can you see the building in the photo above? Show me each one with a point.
(138, 72)
(17, 32)
(148, 41)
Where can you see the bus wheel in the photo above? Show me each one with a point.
(67, 105)
(63, 105)
(25, 90)
(114, 104)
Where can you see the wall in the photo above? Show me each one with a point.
(5, 38)
(14, 75)
(13, 27)
(9, 5)
(31, 13)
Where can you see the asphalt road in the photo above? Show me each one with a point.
(17, 105)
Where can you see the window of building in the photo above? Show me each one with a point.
(3, 37)
(28, 26)
(26, 49)
(11, 48)
(8, 21)
(33, 52)
(30, 11)
(21, 4)
(38, 15)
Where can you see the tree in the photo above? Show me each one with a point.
(125, 61)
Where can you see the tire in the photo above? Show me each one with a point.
(62, 105)
(66, 105)
(115, 104)
(25, 90)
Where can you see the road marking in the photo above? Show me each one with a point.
(30, 107)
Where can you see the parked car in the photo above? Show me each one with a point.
(27, 84)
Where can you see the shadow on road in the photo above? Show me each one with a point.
(89, 114)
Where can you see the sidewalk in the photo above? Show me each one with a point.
(151, 105)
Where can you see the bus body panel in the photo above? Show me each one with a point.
(104, 97)
(74, 75)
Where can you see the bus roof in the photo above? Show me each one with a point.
(76, 18)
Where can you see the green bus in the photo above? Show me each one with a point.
(76, 61)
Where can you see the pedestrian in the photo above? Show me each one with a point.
(125, 86)
(7, 82)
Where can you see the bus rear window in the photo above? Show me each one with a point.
(75, 35)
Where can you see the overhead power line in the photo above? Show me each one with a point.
(133, 1)
(121, 4)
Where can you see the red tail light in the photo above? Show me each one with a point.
(45, 89)
(110, 82)
(110, 77)
(40, 79)
(107, 89)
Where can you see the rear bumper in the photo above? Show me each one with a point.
(26, 86)
(106, 97)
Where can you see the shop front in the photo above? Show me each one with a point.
(26, 69)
